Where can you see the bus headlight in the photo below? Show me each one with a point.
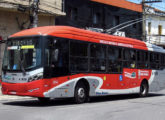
(35, 77)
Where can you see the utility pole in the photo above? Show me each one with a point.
(144, 15)
(34, 16)
(144, 21)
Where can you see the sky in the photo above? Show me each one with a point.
(160, 5)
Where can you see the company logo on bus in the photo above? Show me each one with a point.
(130, 75)
(143, 73)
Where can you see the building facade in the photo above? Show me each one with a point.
(15, 16)
(155, 26)
(104, 14)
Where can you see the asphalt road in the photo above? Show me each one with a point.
(124, 107)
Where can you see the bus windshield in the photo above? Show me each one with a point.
(22, 54)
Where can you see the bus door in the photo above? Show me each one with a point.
(130, 78)
(129, 72)
(115, 66)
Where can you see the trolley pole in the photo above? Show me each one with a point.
(34, 16)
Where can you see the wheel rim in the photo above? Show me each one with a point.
(81, 92)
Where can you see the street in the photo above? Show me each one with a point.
(123, 107)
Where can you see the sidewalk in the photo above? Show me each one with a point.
(11, 97)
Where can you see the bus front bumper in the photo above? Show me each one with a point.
(33, 89)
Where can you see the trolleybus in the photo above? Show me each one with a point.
(67, 62)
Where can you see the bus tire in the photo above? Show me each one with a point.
(144, 89)
(43, 100)
(80, 93)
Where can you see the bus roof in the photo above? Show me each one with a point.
(81, 34)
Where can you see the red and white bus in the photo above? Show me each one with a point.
(61, 62)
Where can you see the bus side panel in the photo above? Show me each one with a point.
(100, 84)
(158, 81)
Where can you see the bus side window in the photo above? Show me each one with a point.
(78, 56)
(126, 58)
(142, 59)
(162, 62)
(98, 58)
(157, 60)
(146, 59)
(114, 59)
(152, 60)
(133, 59)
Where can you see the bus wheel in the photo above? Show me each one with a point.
(43, 100)
(80, 94)
(143, 89)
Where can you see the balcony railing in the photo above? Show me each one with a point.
(156, 39)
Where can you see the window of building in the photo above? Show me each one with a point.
(116, 20)
(149, 28)
(160, 29)
(73, 13)
(96, 18)
(135, 24)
